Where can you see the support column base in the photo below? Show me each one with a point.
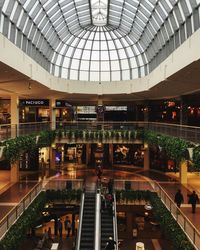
(14, 172)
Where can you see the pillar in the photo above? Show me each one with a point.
(183, 112)
(73, 224)
(52, 105)
(88, 153)
(100, 111)
(145, 110)
(14, 172)
(136, 113)
(129, 226)
(146, 157)
(52, 158)
(14, 112)
(111, 153)
(183, 172)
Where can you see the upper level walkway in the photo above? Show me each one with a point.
(12, 194)
(189, 133)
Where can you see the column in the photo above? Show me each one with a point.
(14, 111)
(100, 111)
(183, 112)
(52, 158)
(146, 112)
(52, 105)
(136, 113)
(146, 157)
(88, 153)
(111, 153)
(183, 172)
(14, 172)
(129, 226)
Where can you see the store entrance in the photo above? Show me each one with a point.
(99, 154)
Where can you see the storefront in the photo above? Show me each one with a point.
(4, 111)
(86, 113)
(128, 154)
(64, 111)
(33, 110)
(70, 153)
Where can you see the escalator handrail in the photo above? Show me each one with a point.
(115, 232)
(78, 238)
(97, 235)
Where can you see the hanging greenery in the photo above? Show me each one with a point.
(100, 135)
(169, 226)
(175, 148)
(196, 159)
(14, 148)
(17, 233)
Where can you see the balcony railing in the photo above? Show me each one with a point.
(190, 230)
(189, 133)
(18, 210)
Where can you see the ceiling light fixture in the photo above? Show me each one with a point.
(29, 85)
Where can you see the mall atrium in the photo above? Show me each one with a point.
(111, 83)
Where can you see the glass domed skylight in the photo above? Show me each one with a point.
(99, 40)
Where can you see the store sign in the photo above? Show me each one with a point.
(86, 109)
(62, 104)
(34, 102)
(116, 108)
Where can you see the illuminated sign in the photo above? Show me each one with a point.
(62, 104)
(34, 102)
(86, 110)
(116, 108)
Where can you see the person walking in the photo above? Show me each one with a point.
(60, 227)
(110, 245)
(68, 226)
(193, 199)
(110, 186)
(178, 198)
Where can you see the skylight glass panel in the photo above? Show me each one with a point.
(99, 9)
(91, 39)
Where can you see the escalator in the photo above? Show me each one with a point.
(106, 227)
(88, 222)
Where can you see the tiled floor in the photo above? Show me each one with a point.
(11, 194)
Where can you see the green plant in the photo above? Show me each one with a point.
(168, 224)
(17, 233)
(70, 133)
(65, 194)
(175, 148)
(196, 159)
(132, 135)
(59, 134)
(14, 148)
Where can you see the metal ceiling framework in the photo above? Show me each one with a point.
(99, 40)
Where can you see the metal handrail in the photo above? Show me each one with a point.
(8, 220)
(115, 231)
(190, 133)
(78, 237)
(178, 215)
(97, 235)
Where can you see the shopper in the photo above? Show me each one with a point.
(60, 227)
(110, 186)
(178, 198)
(68, 226)
(110, 245)
(193, 199)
